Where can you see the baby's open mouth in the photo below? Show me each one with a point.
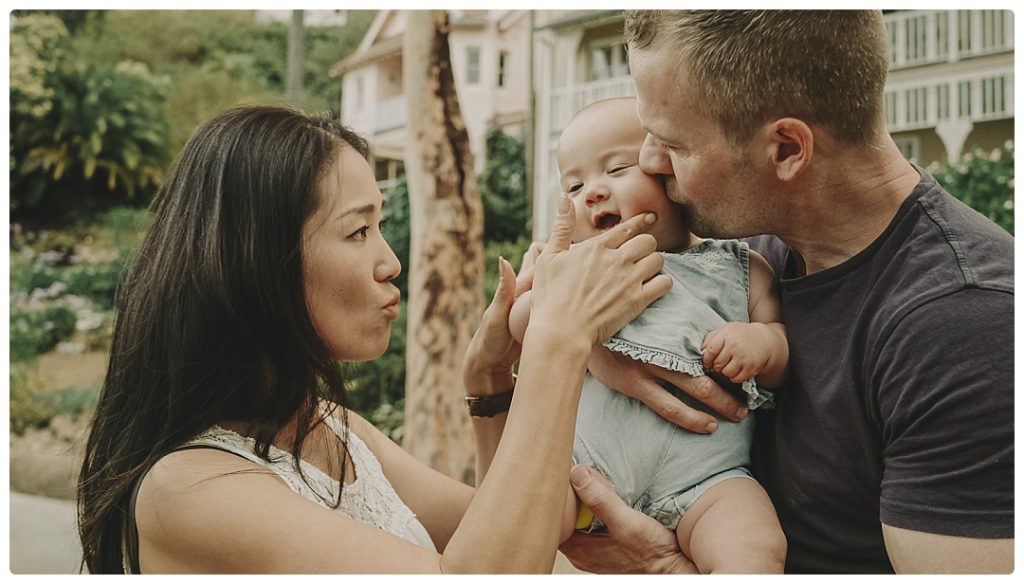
(606, 221)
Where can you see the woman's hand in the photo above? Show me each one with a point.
(492, 352)
(591, 290)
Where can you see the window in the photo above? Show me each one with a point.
(890, 108)
(608, 59)
(993, 95)
(917, 105)
(473, 65)
(964, 91)
(916, 41)
(942, 93)
(502, 68)
(909, 147)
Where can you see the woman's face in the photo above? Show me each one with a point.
(347, 265)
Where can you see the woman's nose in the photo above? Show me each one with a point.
(389, 267)
(654, 158)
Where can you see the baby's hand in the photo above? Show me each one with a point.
(738, 350)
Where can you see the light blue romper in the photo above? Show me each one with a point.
(655, 466)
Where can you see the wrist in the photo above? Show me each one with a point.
(481, 382)
(489, 406)
(574, 346)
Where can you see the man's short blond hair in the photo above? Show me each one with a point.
(825, 67)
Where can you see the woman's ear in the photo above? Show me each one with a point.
(790, 144)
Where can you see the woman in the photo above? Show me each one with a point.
(221, 442)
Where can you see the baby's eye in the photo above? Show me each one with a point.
(617, 168)
(574, 188)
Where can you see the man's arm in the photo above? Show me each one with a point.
(917, 552)
(944, 382)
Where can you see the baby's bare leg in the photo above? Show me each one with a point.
(731, 529)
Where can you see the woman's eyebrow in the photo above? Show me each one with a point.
(364, 210)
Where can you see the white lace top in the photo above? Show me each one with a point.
(370, 498)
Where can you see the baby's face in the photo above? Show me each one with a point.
(598, 156)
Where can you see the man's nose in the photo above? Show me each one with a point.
(653, 157)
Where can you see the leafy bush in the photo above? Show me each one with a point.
(983, 180)
(82, 135)
(395, 228)
(31, 271)
(503, 187)
(33, 407)
(37, 329)
(98, 282)
(27, 411)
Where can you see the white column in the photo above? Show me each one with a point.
(953, 134)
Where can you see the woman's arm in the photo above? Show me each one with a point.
(220, 513)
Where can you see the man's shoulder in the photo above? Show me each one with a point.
(968, 243)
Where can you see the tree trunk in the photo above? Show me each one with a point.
(296, 51)
(446, 252)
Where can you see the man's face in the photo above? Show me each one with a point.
(716, 180)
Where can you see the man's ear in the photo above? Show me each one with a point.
(790, 144)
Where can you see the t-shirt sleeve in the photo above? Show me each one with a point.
(944, 395)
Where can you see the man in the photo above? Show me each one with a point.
(892, 443)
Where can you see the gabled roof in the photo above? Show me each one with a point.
(583, 17)
(371, 47)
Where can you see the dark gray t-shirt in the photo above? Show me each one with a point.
(899, 407)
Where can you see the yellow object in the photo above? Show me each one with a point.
(585, 519)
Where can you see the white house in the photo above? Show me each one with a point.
(490, 52)
(950, 86)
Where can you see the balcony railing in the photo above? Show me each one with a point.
(926, 37)
(566, 101)
(973, 98)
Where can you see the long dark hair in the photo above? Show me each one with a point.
(212, 320)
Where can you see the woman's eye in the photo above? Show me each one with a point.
(361, 233)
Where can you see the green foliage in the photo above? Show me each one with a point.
(27, 411)
(396, 228)
(220, 58)
(98, 281)
(32, 273)
(389, 418)
(83, 136)
(382, 380)
(33, 407)
(503, 187)
(38, 327)
(983, 180)
(510, 250)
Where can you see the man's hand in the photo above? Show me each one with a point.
(646, 382)
(634, 542)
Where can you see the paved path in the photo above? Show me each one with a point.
(43, 537)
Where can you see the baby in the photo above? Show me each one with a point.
(721, 316)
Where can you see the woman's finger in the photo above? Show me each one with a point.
(626, 230)
(561, 231)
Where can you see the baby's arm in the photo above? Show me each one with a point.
(758, 349)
